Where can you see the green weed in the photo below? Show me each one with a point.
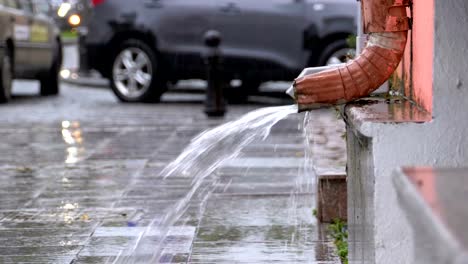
(339, 233)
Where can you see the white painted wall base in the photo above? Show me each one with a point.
(378, 232)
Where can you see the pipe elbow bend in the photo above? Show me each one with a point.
(387, 23)
(355, 79)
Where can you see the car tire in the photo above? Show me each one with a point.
(241, 94)
(334, 53)
(135, 76)
(50, 84)
(6, 77)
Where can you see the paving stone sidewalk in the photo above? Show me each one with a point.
(80, 189)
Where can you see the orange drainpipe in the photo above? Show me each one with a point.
(387, 24)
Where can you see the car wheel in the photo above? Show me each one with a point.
(239, 95)
(135, 76)
(335, 53)
(50, 84)
(6, 78)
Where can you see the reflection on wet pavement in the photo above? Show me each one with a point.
(72, 135)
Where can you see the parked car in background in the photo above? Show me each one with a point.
(142, 45)
(70, 14)
(30, 46)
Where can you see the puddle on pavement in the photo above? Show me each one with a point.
(268, 227)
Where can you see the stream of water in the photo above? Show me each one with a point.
(203, 156)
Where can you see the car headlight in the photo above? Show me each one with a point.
(74, 20)
(63, 9)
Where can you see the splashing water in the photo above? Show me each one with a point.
(207, 151)
(202, 157)
(306, 180)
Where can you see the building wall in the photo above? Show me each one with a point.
(418, 60)
(439, 81)
(451, 68)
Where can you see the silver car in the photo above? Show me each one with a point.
(30, 46)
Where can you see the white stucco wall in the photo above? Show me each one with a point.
(442, 142)
(450, 59)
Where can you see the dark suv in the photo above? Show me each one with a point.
(141, 45)
(30, 46)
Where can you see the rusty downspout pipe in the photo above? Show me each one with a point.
(387, 24)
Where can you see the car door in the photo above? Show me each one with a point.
(269, 30)
(6, 20)
(181, 24)
(41, 38)
(20, 34)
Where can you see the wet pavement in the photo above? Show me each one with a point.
(80, 179)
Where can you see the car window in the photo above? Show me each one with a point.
(10, 3)
(41, 7)
(26, 5)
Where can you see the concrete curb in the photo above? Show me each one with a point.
(92, 79)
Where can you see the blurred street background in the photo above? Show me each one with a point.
(80, 170)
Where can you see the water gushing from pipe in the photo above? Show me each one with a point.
(198, 161)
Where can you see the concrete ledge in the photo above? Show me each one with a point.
(332, 198)
(369, 115)
(434, 202)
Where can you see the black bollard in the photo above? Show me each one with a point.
(83, 52)
(215, 105)
(84, 8)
